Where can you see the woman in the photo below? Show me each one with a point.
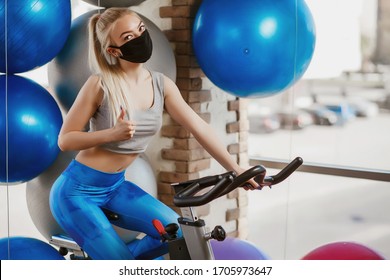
(123, 103)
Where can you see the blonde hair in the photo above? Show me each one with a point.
(113, 79)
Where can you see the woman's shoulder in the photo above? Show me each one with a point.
(92, 88)
(94, 83)
(94, 79)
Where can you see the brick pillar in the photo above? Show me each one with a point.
(190, 159)
(240, 149)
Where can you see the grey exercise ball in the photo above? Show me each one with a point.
(69, 70)
(114, 3)
(38, 190)
(141, 173)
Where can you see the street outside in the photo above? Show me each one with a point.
(310, 210)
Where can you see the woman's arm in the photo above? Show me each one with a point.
(72, 136)
(182, 113)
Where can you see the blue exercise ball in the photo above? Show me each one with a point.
(26, 248)
(254, 48)
(36, 31)
(30, 121)
(236, 249)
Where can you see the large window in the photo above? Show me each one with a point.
(339, 112)
(336, 118)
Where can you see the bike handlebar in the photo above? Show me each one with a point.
(227, 182)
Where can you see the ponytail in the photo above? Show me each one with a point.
(94, 44)
(113, 80)
(99, 60)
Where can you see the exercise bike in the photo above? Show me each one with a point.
(195, 241)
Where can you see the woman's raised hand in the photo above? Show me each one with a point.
(123, 129)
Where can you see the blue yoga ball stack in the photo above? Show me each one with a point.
(31, 34)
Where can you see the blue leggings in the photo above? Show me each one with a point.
(77, 197)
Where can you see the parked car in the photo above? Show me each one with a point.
(294, 118)
(321, 114)
(344, 111)
(262, 119)
(363, 107)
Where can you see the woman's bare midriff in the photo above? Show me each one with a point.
(104, 160)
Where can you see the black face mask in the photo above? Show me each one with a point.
(138, 50)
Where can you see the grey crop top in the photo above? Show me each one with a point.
(148, 121)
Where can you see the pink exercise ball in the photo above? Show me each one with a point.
(343, 251)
